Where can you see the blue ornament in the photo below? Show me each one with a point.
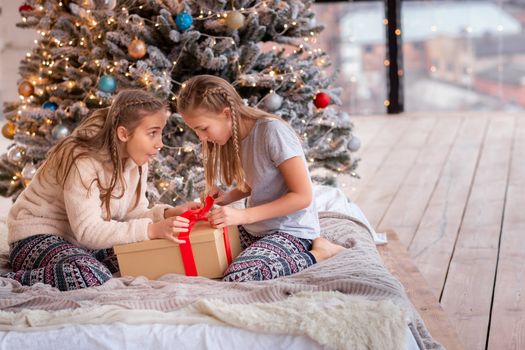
(52, 106)
(107, 83)
(183, 21)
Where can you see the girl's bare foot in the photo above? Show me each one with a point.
(323, 249)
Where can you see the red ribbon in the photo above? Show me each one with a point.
(194, 215)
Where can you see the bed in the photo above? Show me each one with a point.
(349, 301)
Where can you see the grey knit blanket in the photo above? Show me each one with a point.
(357, 271)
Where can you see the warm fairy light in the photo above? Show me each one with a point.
(386, 103)
(385, 21)
(386, 63)
(398, 32)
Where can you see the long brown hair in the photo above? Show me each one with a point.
(213, 94)
(96, 137)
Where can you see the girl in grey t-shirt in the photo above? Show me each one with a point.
(262, 156)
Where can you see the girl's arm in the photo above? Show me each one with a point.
(85, 214)
(225, 198)
(299, 197)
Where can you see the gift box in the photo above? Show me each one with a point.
(207, 252)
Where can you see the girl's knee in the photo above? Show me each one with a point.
(85, 274)
(255, 270)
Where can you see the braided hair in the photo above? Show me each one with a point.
(221, 162)
(96, 137)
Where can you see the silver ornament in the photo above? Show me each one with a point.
(273, 102)
(16, 154)
(354, 144)
(105, 4)
(60, 131)
(28, 171)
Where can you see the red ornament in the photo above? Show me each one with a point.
(25, 8)
(321, 100)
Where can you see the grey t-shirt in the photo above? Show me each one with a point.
(269, 144)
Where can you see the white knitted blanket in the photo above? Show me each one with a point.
(357, 274)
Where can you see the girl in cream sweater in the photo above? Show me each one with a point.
(89, 195)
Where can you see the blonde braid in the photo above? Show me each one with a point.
(235, 117)
(235, 127)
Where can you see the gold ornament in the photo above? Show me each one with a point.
(137, 48)
(25, 88)
(235, 20)
(9, 130)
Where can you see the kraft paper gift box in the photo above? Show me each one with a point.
(207, 252)
(157, 257)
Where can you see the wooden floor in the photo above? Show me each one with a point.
(453, 188)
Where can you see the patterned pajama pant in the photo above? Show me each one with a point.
(52, 260)
(264, 258)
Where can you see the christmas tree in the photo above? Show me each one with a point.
(90, 49)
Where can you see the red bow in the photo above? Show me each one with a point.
(186, 251)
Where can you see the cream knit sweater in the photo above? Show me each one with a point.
(76, 213)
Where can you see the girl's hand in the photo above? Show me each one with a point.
(220, 197)
(226, 216)
(169, 228)
(179, 209)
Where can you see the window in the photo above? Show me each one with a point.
(463, 55)
(354, 38)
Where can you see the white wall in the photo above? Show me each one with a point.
(14, 44)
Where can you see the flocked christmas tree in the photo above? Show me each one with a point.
(90, 49)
